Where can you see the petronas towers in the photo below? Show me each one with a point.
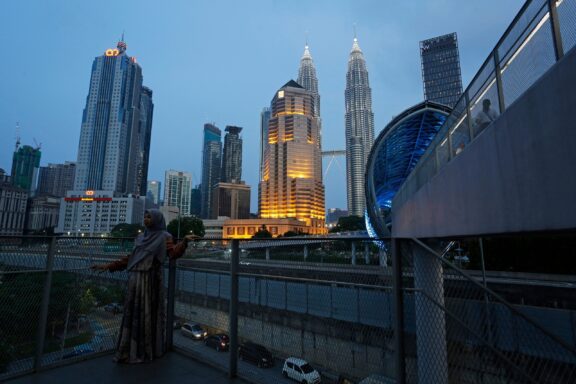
(359, 120)
(359, 129)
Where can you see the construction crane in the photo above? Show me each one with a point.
(17, 137)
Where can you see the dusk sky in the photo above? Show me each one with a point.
(221, 62)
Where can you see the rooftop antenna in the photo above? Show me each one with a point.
(306, 34)
(17, 136)
(354, 28)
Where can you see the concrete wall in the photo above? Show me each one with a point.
(518, 175)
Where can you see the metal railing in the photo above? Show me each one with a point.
(536, 39)
(312, 303)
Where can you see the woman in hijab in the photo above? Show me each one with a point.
(143, 326)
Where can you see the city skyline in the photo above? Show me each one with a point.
(185, 101)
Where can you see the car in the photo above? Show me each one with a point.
(219, 341)
(114, 308)
(256, 354)
(77, 352)
(194, 331)
(301, 371)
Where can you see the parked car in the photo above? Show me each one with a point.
(219, 341)
(114, 308)
(300, 371)
(194, 331)
(77, 352)
(256, 354)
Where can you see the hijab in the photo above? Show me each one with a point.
(152, 243)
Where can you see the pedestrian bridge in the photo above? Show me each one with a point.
(517, 174)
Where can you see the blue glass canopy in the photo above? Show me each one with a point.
(394, 155)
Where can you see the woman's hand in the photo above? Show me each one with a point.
(99, 267)
(188, 238)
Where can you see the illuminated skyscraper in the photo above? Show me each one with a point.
(359, 129)
(291, 185)
(116, 127)
(441, 69)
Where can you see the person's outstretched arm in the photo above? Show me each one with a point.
(176, 251)
(118, 265)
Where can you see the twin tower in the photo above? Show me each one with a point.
(291, 153)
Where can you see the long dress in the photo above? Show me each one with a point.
(143, 328)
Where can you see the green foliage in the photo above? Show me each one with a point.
(349, 223)
(262, 233)
(87, 301)
(126, 230)
(191, 225)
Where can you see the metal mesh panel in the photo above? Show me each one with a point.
(202, 298)
(532, 58)
(567, 16)
(520, 29)
(83, 310)
(466, 332)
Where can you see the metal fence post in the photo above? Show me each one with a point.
(171, 303)
(499, 86)
(555, 25)
(43, 318)
(234, 261)
(398, 311)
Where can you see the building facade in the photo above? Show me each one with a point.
(95, 213)
(211, 165)
(56, 179)
(116, 127)
(246, 229)
(178, 190)
(264, 119)
(25, 165)
(359, 129)
(308, 80)
(153, 192)
(13, 201)
(232, 158)
(42, 213)
(441, 69)
(291, 185)
(231, 200)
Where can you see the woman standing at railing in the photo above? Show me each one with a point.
(142, 332)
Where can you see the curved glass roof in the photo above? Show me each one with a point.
(394, 155)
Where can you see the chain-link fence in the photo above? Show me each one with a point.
(53, 307)
(460, 330)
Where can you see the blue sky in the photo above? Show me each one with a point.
(222, 61)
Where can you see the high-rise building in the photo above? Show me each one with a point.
(211, 163)
(56, 179)
(359, 129)
(291, 185)
(13, 202)
(441, 69)
(231, 200)
(25, 164)
(308, 80)
(196, 201)
(264, 119)
(232, 159)
(178, 190)
(144, 137)
(154, 188)
(116, 124)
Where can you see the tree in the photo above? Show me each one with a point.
(126, 230)
(188, 225)
(262, 233)
(291, 234)
(349, 223)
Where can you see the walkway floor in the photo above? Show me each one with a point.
(172, 368)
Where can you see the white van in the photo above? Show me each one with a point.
(300, 371)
